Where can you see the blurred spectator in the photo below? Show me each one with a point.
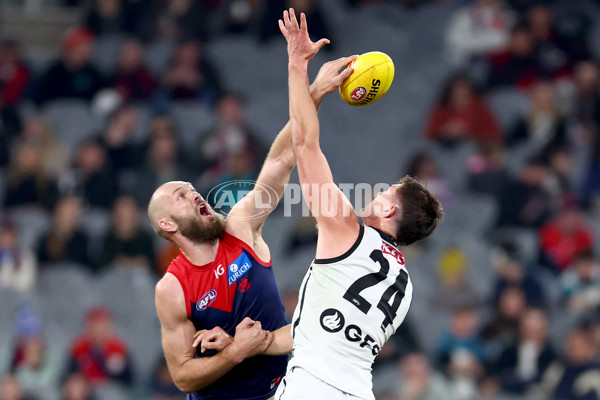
(65, 241)
(118, 138)
(133, 80)
(126, 244)
(553, 60)
(163, 162)
(95, 178)
(510, 273)
(39, 367)
(163, 387)
(516, 65)
(185, 20)
(543, 129)
(318, 26)
(27, 182)
(526, 201)
(190, 76)
(590, 190)
(10, 126)
(584, 94)
(14, 75)
(455, 290)
(166, 253)
(486, 170)
(419, 382)
(73, 75)
(77, 387)
(504, 325)
(401, 343)
(241, 16)
(10, 389)
(557, 49)
(460, 114)
(580, 284)
(479, 29)
(563, 238)
(55, 156)
(424, 168)
(523, 361)
(230, 134)
(577, 378)
(98, 353)
(461, 347)
(18, 265)
(108, 17)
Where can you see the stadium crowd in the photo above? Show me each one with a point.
(541, 172)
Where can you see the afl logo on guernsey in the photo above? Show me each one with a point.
(358, 93)
(206, 300)
(332, 320)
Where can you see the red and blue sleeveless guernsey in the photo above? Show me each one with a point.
(237, 284)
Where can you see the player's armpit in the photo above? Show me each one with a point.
(282, 342)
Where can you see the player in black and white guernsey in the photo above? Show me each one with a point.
(357, 291)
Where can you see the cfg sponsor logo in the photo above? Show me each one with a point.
(333, 321)
(206, 300)
(238, 268)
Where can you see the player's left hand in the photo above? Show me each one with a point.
(213, 339)
(299, 44)
(330, 78)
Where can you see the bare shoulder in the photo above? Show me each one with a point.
(336, 239)
(169, 298)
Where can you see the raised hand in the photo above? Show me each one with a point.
(213, 339)
(330, 78)
(300, 47)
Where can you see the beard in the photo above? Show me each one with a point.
(199, 231)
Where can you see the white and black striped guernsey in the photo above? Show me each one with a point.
(348, 307)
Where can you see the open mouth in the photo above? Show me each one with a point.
(204, 211)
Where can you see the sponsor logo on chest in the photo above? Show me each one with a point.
(238, 268)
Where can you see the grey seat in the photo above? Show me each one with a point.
(192, 119)
(72, 120)
(31, 223)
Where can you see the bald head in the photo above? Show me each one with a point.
(159, 203)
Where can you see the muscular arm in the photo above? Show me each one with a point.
(338, 223)
(189, 374)
(192, 374)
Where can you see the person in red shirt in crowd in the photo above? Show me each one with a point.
(14, 75)
(99, 354)
(563, 238)
(460, 114)
(133, 80)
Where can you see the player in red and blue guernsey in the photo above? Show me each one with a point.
(222, 282)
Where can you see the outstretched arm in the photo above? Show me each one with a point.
(338, 223)
(247, 217)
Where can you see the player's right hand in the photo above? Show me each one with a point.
(250, 339)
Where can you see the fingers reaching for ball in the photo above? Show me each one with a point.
(331, 75)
